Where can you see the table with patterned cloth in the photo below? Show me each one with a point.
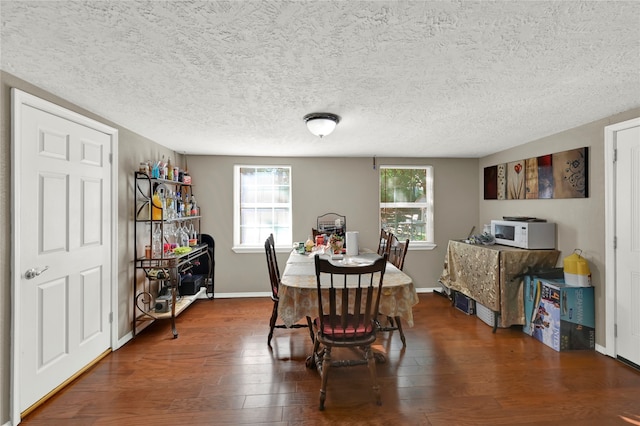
(299, 296)
(492, 275)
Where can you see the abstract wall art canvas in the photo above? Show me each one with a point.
(559, 175)
(502, 181)
(491, 183)
(515, 180)
(545, 176)
(531, 185)
(570, 174)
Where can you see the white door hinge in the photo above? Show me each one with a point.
(110, 317)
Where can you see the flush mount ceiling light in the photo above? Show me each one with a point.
(321, 123)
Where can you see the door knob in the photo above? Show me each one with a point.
(33, 272)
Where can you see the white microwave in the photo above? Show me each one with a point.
(526, 235)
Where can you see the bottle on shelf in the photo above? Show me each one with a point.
(157, 247)
(194, 206)
(174, 236)
(169, 170)
(180, 201)
(193, 235)
(156, 206)
(187, 207)
(162, 169)
(171, 202)
(184, 237)
(176, 203)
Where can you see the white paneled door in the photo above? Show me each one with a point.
(627, 254)
(63, 224)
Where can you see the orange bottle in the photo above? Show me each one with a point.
(156, 207)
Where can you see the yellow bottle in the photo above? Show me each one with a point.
(156, 207)
(308, 245)
(169, 170)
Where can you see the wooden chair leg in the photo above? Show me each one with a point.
(272, 322)
(326, 366)
(371, 363)
(399, 325)
(313, 360)
(390, 321)
(310, 325)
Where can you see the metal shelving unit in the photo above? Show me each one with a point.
(157, 278)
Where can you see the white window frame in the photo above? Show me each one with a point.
(238, 247)
(429, 244)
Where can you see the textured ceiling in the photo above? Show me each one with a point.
(408, 78)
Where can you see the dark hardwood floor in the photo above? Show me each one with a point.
(454, 371)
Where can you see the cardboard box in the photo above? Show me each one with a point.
(531, 293)
(563, 316)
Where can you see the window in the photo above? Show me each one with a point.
(406, 203)
(262, 205)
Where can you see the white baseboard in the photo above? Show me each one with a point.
(267, 294)
(236, 295)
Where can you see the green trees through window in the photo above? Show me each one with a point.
(406, 202)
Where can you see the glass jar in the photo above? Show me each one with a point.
(144, 168)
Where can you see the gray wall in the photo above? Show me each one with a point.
(348, 186)
(580, 222)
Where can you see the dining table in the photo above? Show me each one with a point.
(298, 294)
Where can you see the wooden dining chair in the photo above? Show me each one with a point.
(383, 242)
(397, 251)
(348, 300)
(274, 279)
